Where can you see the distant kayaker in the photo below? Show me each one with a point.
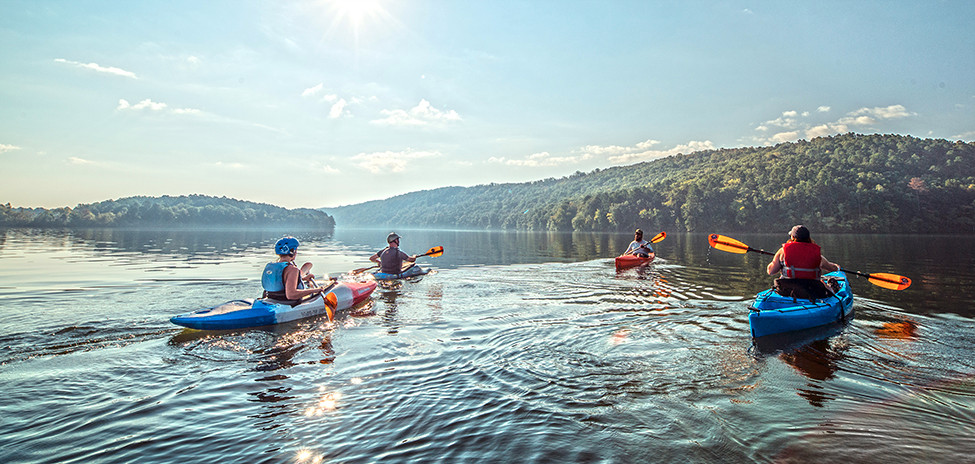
(390, 259)
(639, 246)
(283, 280)
(801, 263)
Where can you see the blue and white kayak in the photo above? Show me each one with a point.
(411, 271)
(238, 314)
(773, 313)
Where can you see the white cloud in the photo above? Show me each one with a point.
(964, 136)
(423, 114)
(5, 148)
(142, 105)
(98, 68)
(232, 166)
(795, 124)
(890, 112)
(785, 137)
(312, 91)
(81, 161)
(543, 159)
(616, 154)
(640, 152)
(390, 161)
(338, 109)
(149, 105)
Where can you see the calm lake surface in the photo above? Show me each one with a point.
(520, 347)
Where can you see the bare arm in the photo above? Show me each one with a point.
(827, 266)
(775, 266)
(291, 290)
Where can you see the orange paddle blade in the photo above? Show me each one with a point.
(658, 237)
(727, 244)
(889, 281)
(331, 302)
(434, 252)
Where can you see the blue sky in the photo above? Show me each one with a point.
(326, 103)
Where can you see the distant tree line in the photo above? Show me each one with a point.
(167, 211)
(844, 183)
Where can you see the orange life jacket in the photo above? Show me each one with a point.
(801, 260)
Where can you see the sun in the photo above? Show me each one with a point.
(355, 12)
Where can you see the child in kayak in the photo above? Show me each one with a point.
(283, 280)
(639, 246)
(390, 259)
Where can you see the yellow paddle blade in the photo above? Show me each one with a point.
(727, 244)
(331, 302)
(658, 237)
(434, 252)
(889, 281)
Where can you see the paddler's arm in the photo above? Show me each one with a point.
(291, 290)
(776, 265)
(827, 266)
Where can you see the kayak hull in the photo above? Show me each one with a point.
(411, 271)
(773, 313)
(629, 261)
(240, 314)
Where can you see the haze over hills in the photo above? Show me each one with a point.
(167, 211)
(844, 183)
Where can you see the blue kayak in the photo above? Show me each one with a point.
(238, 314)
(410, 271)
(773, 313)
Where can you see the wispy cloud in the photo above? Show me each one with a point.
(391, 161)
(543, 159)
(149, 105)
(80, 161)
(98, 68)
(423, 114)
(338, 109)
(233, 166)
(312, 91)
(5, 148)
(615, 154)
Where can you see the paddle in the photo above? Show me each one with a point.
(331, 301)
(656, 238)
(433, 252)
(880, 279)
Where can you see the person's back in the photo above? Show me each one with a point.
(801, 263)
(390, 259)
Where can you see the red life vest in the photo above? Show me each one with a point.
(801, 260)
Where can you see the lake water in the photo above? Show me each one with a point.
(520, 347)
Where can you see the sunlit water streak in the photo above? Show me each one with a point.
(544, 358)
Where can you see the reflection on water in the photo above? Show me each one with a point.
(521, 347)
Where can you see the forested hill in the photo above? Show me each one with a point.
(844, 183)
(167, 211)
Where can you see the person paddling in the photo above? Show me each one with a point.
(801, 263)
(639, 246)
(390, 259)
(283, 280)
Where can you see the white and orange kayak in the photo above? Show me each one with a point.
(239, 314)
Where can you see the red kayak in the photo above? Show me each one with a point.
(628, 261)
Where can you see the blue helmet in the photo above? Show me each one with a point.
(286, 246)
